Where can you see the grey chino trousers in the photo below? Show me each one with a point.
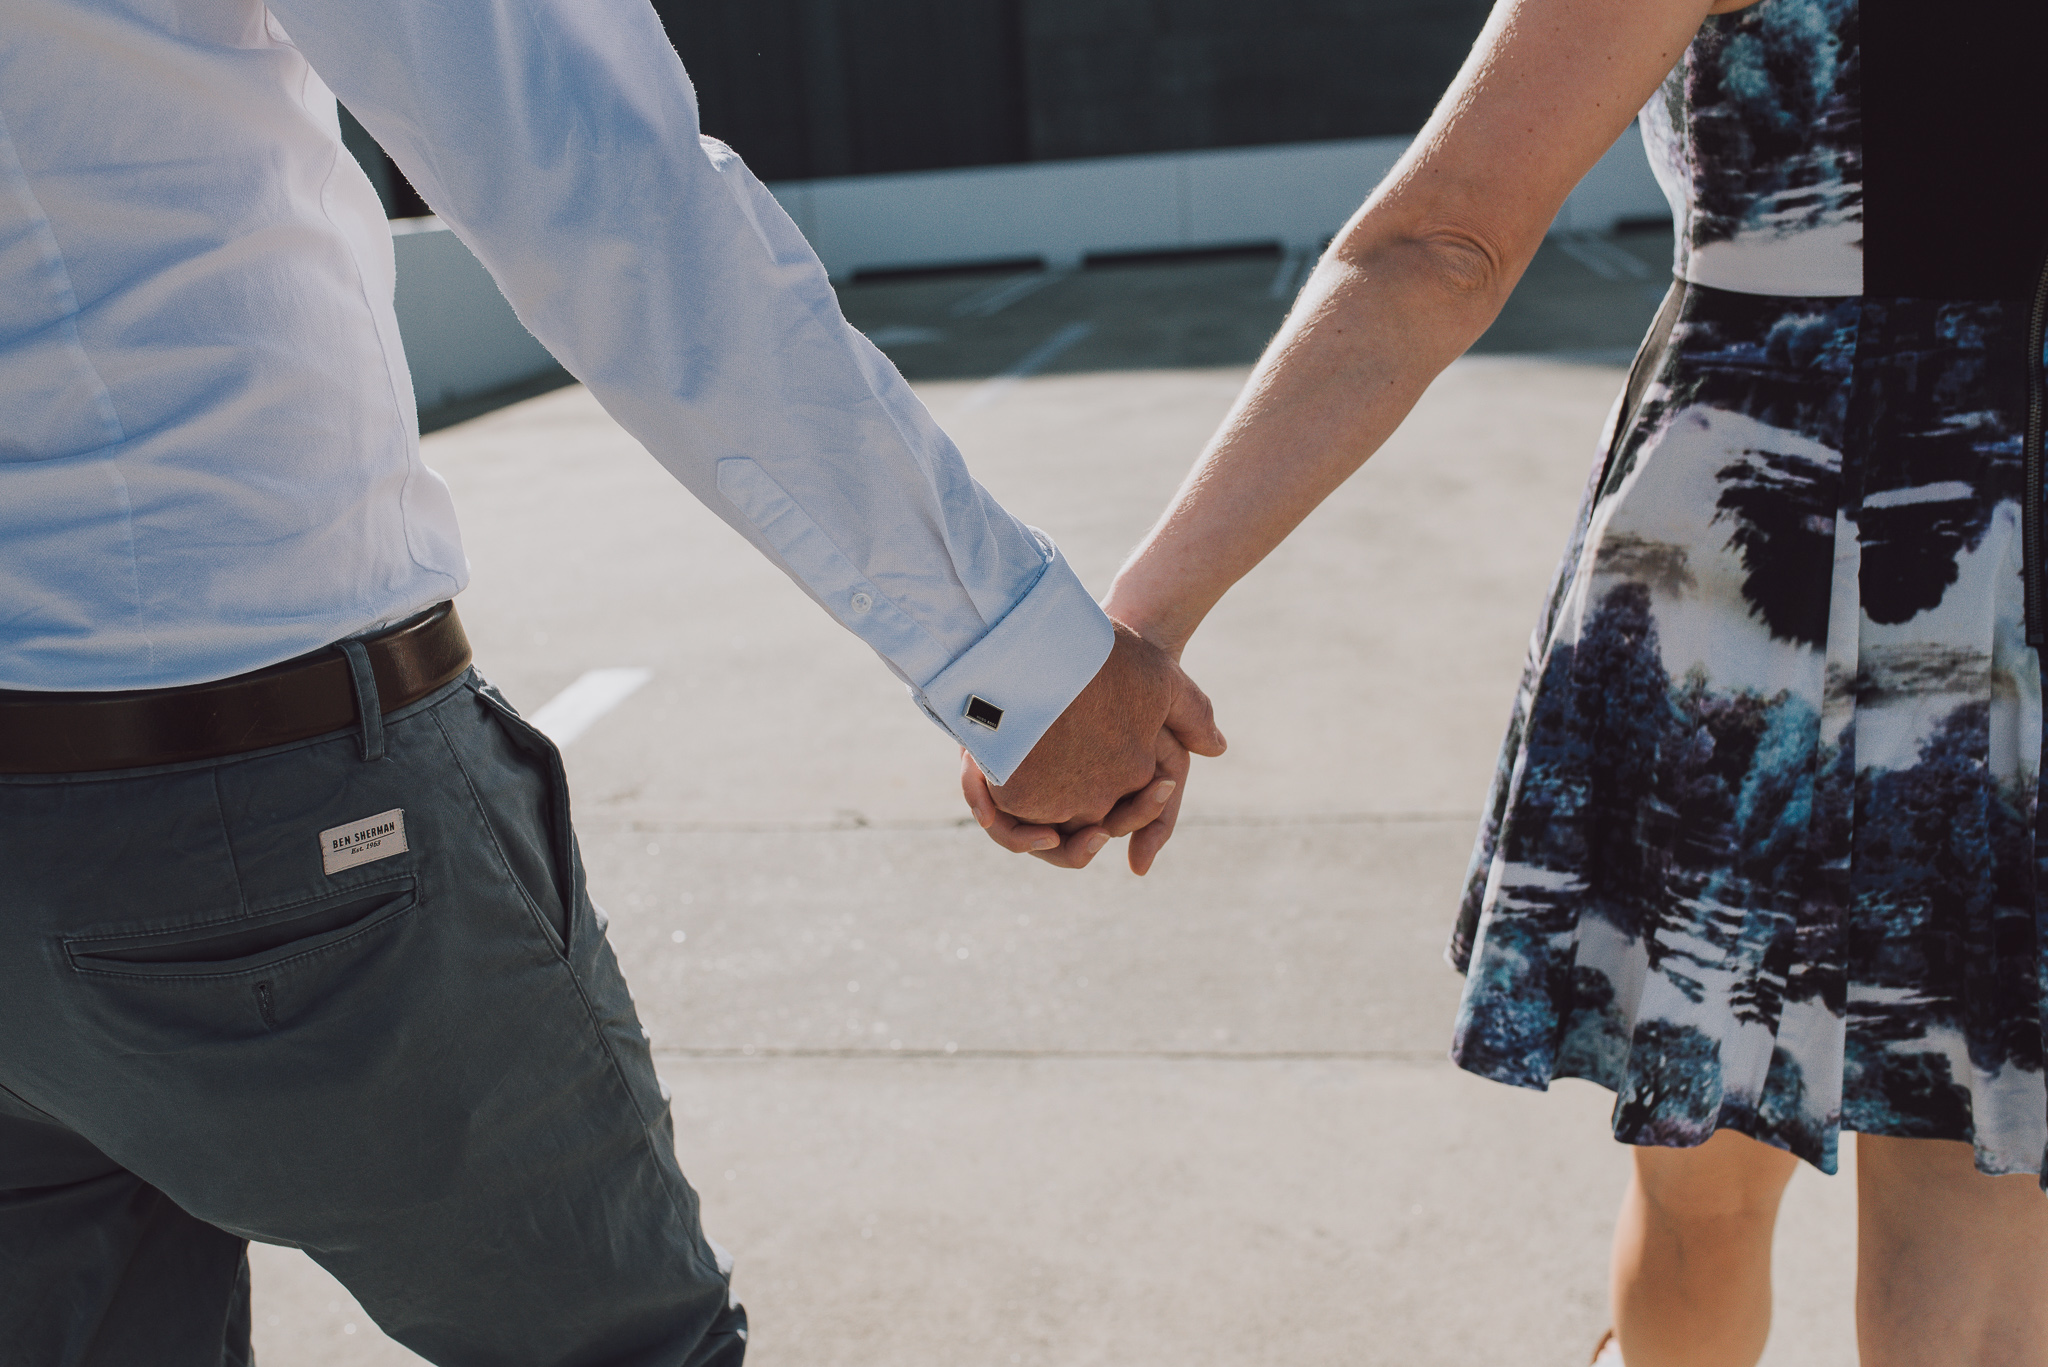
(346, 995)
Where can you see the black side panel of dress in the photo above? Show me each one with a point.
(1954, 116)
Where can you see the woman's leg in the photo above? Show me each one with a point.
(1692, 1253)
(1952, 1266)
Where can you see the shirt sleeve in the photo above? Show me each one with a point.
(559, 140)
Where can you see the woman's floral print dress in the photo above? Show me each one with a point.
(1764, 848)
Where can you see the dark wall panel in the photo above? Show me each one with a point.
(1108, 77)
(807, 88)
(747, 60)
(851, 87)
(934, 83)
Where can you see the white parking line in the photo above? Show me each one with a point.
(899, 335)
(1034, 360)
(570, 712)
(1293, 273)
(1601, 257)
(986, 303)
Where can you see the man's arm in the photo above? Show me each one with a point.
(559, 140)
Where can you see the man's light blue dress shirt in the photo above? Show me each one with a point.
(208, 454)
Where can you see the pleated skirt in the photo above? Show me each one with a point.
(1762, 852)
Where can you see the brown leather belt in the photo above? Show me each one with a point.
(73, 733)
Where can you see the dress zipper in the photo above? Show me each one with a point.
(2030, 512)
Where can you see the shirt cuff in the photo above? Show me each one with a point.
(1006, 689)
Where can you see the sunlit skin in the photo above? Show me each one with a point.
(1952, 1264)
(1412, 281)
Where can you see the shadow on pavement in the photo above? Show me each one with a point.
(1585, 295)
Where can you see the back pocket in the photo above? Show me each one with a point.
(248, 943)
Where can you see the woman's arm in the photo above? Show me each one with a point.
(1406, 287)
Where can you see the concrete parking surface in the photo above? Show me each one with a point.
(951, 1107)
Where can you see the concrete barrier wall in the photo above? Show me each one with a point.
(1062, 212)
(463, 339)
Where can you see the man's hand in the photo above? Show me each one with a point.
(1115, 762)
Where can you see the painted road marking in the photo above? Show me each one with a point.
(1293, 273)
(1601, 257)
(905, 336)
(570, 712)
(1035, 360)
(986, 303)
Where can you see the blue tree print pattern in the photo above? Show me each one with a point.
(1757, 138)
(1761, 851)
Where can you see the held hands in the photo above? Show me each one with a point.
(1115, 763)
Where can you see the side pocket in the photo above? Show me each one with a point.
(1641, 373)
(523, 793)
(254, 942)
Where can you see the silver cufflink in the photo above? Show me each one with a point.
(982, 712)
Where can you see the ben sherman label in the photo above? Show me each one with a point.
(363, 842)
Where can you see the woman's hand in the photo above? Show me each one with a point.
(1070, 797)
(1147, 816)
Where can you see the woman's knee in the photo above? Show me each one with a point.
(1730, 1177)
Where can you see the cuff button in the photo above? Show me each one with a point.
(982, 712)
(862, 602)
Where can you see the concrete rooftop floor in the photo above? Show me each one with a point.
(952, 1107)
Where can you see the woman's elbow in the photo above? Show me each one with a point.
(1462, 264)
